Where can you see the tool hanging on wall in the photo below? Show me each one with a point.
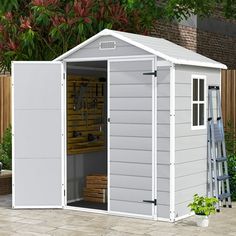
(76, 134)
(82, 92)
(79, 95)
(92, 138)
(103, 80)
(75, 95)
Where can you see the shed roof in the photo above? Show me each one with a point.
(158, 46)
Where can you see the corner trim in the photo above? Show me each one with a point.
(172, 143)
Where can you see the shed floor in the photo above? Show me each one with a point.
(92, 205)
(74, 223)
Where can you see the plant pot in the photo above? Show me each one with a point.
(202, 221)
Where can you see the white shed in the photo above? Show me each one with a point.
(116, 124)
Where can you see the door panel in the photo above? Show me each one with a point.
(131, 179)
(37, 135)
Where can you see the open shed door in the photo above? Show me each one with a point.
(37, 135)
(132, 132)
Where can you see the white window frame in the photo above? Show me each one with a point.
(198, 77)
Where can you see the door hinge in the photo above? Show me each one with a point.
(64, 192)
(64, 76)
(149, 201)
(108, 120)
(151, 73)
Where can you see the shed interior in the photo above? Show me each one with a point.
(87, 134)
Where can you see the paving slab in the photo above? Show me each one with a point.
(49, 222)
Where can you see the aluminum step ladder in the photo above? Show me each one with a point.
(217, 160)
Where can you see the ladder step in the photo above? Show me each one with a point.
(223, 196)
(218, 134)
(223, 177)
(221, 159)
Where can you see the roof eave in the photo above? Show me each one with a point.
(200, 64)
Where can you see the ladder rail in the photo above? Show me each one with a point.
(209, 179)
(213, 147)
(220, 121)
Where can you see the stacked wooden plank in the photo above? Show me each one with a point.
(96, 188)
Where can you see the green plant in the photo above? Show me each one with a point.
(44, 29)
(6, 149)
(203, 205)
(230, 140)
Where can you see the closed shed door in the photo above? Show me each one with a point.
(37, 134)
(131, 132)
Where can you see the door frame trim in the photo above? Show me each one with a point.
(65, 206)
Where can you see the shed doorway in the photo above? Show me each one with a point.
(86, 160)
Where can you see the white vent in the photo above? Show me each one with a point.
(107, 45)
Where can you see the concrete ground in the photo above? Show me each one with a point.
(77, 223)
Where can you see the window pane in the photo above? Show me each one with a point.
(201, 87)
(195, 114)
(201, 114)
(195, 89)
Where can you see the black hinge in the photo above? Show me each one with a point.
(151, 73)
(108, 120)
(149, 201)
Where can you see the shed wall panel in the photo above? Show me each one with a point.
(127, 90)
(191, 145)
(136, 156)
(131, 117)
(163, 130)
(131, 143)
(164, 211)
(122, 49)
(163, 141)
(127, 207)
(131, 169)
(131, 182)
(129, 77)
(131, 104)
(135, 130)
(130, 195)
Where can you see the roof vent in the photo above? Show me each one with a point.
(107, 45)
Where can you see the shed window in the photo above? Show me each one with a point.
(198, 101)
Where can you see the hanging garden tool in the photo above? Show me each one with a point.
(102, 80)
(75, 95)
(82, 92)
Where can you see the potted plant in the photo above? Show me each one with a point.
(203, 207)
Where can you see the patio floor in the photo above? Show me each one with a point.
(67, 222)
